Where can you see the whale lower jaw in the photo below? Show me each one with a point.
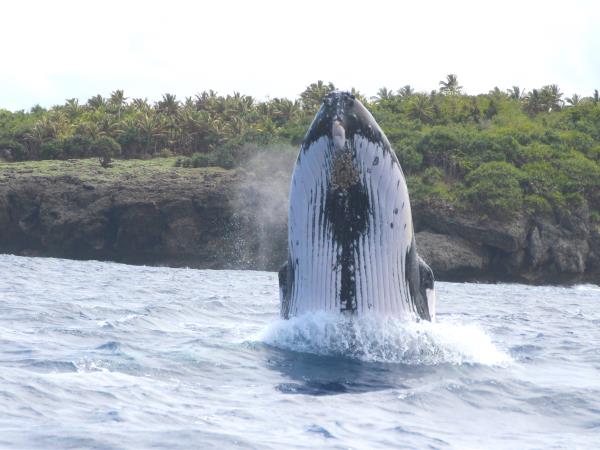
(350, 233)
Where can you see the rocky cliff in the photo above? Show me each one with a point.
(236, 219)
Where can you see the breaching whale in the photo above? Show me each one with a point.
(351, 244)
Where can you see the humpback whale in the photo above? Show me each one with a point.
(351, 243)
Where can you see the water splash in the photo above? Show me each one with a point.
(385, 339)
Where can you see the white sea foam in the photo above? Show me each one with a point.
(385, 339)
(587, 287)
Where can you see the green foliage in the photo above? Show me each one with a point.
(51, 150)
(107, 148)
(536, 204)
(495, 188)
(12, 150)
(497, 153)
(224, 159)
(409, 158)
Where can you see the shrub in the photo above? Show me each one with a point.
(437, 145)
(432, 175)
(490, 146)
(218, 158)
(536, 204)
(202, 160)
(77, 146)
(106, 148)
(495, 189)
(165, 153)
(52, 150)
(576, 140)
(13, 150)
(409, 158)
(594, 153)
(578, 174)
(540, 178)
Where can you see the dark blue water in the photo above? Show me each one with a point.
(101, 355)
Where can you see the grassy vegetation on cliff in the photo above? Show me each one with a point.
(496, 153)
(88, 169)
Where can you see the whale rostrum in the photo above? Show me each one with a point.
(351, 244)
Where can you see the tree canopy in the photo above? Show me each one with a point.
(498, 152)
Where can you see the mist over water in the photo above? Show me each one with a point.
(103, 355)
(261, 200)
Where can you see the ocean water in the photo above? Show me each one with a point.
(109, 356)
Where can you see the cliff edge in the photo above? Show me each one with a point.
(236, 219)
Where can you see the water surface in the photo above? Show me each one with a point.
(103, 355)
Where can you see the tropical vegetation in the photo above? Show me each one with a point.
(497, 153)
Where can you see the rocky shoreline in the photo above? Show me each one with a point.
(221, 219)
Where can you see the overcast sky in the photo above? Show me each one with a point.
(53, 50)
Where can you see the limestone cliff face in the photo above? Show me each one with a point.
(234, 219)
(208, 221)
(541, 249)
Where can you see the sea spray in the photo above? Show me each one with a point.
(385, 339)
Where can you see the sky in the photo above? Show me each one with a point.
(54, 50)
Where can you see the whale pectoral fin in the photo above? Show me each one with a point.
(284, 298)
(427, 281)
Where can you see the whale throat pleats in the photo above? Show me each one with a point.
(350, 233)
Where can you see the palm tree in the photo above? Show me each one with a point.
(551, 96)
(152, 131)
(72, 107)
(533, 103)
(48, 127)
(37, 109)
(107, 125)
(497, 93)
(239, 104)
(383, 94)
(284, 110)
(248, 102)
(193, 127)
(236, 126)
(574, 100)
(168, 105)
(420, 108)
(117, 101)
(89, 129)
(450, 86)
(188, 103)
(141, 104)
(406, 91)
(516, 93)
(205, 101)
(313, 95)
(96, 102)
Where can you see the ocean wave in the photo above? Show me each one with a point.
(385, 339)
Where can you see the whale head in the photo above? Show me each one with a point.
(342, 115)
